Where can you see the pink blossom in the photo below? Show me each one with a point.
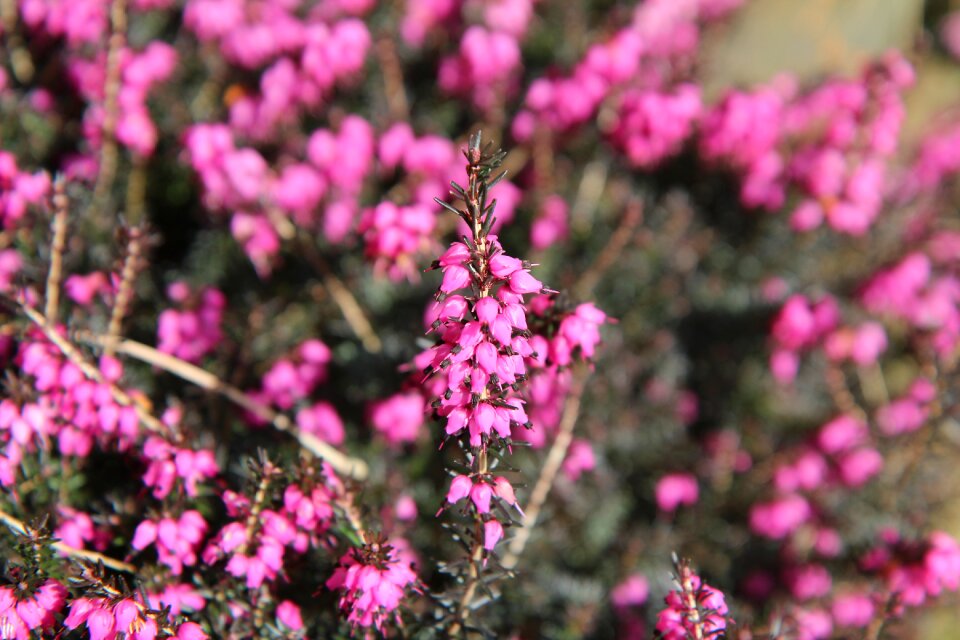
(580, 458)
(371, 593)
(288, 614)
(675, 622)
(492, 533)
(853, 610)
(779, 517)
(676, 489)
(633, 591)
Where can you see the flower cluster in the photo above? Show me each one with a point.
(476, 369)
(694, 609)
(194, 331)
(840, 137)
(112, 618)
(22, 615)
(373, 580)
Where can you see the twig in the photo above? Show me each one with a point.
(57, 246)
(119, 395)
(842, 398)
(128, 275)
(393, 86)
(20, 61)
(464, 607)
(111, 92)
(83, 554)
(592, 184)
(558, 451)
(349, 307)
(343, 464)
(632, 217)
(136, 191)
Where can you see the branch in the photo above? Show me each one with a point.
(349, 307)
(608, 256)
(109, 153)
(67, 550)
(57, 246)
(343, 464)
(558, 451)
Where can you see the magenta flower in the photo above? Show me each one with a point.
(373, 581)
(676, 489)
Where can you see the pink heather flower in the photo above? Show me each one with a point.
(950, 33)
(806, 473)
(399, 418)
(808, 581)
(784, 365)
(632, 592)
(179, 597)
(109, 619)
(580, 458)
(813, 624)
(322, 420)
(10, 264)
(795, 325)
(191, 631)
(780, 517)
(492, 534)
(857, 467)
(372, 580)
(676, 621)
(651, 126)
(901, 416)
(192, 332)
(841, 434)
(258, 238)
(406, 509)
(22, 615)
(83, 289)
(551, 225)
(177, 541)
(676, 489)
(459, 489)
(76, 529)
(481, 494)
(484, 68)
(916, 571)
(853, 610)
(422, 16)
(396, 236)
(288, 614)
(167, 464)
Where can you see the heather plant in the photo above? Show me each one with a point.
(463, 318)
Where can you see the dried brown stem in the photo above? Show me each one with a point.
(57, 246)
(464, 608)
(111, 92)
(258, 504)
(90, 556)
(632, 217)
(393, 85)
(551, 466)
(343, 464)
(349, 307)
(128, 275)
(137, 191)
(20, 61)
(591, 188)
